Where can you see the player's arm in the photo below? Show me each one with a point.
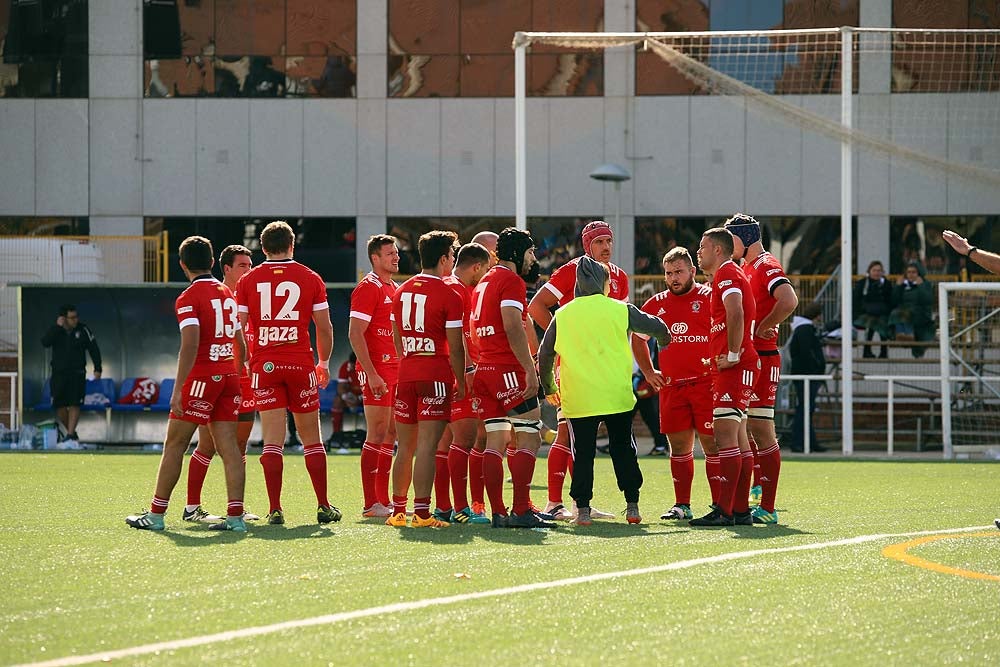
(785, 303)
(513, 326)
(456, 356)
(397, 339)
(239, 350)
(356, 328)
(988, 260)
(540, 308)
(185, 362)
(547, 363)
(733, 301)
(324, 344)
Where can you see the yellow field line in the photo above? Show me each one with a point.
(899, 552)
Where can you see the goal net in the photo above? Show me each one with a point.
(970, 368)
(899, 76)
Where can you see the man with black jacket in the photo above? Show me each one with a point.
(70, 340)
(806, 351)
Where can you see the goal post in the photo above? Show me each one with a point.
(970, 366)
(879, 75)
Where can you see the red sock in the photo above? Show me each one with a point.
(158, 505)
(682, 471)
(338, 420)
(422, 507)
(476, 486)
(273, 463)
(442, 482)
(741, 501)
(729, 465)
(493, 480)
(458, 472)
(398, 504)
(558, 463)
(315, 458)
(197, 469)
(770, 468)
(713, 471)
(522, 468)
(369, 467)
(384, 471)
(235, 508)
(756, 462)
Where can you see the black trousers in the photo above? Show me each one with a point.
(583, 441)
(798, 421)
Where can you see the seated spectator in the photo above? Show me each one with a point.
(912, 316)
(348, 397)
(872, 303)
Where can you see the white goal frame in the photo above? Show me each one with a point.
(523, 39)
(949, 357)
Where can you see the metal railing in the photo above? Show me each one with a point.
(806, 412)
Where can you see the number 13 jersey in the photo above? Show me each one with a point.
(209, 305)
(279, 298)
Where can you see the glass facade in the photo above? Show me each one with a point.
(45, 47)
(250, 48)
(462, 48)
(918, 239)
(325, 245)
(44, 226)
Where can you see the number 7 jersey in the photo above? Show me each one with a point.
(279, 298)
(209, 305)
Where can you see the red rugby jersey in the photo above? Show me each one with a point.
(729, 279)
(562, 283)
(209, 305)
(499, 287)
(689, 319)
(371, 301)
(424, 308)
(765, 274)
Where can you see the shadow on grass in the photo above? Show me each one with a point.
(203, 537)
(766, 532)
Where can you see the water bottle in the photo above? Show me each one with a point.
(28, 433)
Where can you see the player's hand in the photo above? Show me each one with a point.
(768, 334)
(722, 362)
(460, 387)
(322, 376)
(655, 380)
(554, 399)
(176, 407)
(531, 382)
(97, 375)
(958, 243)
(377, 385)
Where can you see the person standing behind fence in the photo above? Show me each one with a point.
(591, 335)
(912, 315)
(70, 340)
(872, 302)
(806, 351)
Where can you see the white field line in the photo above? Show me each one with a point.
(400, 607)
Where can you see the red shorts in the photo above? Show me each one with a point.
(246, 393)
(498, 388)
(732, 387)
(687, 406)
(422, 400)
(210, 398)
(467, 408)
(388, 399)
(283, 385)
(765, 388)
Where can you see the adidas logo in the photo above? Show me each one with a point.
(560, 474)
(387, 300)
(726, 397)
(764, 479)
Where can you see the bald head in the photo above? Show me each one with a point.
(489, 241)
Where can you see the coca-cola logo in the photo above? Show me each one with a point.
(433, 400)
(308, 392)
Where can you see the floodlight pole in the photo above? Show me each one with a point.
(520, 145)
(846, 232)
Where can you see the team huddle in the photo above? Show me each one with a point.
(450, 364)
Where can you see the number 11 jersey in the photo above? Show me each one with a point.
(279, 298)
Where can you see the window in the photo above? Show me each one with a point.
(919, 240)
(237, 48)
(325, 245)
(451, 48)
(45, 47)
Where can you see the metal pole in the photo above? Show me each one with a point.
(520, 144)
(943, 350)
(892, 422)
(616, 256)
(806, 417)
(846, 260)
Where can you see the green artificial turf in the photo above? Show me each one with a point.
(77, 581)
